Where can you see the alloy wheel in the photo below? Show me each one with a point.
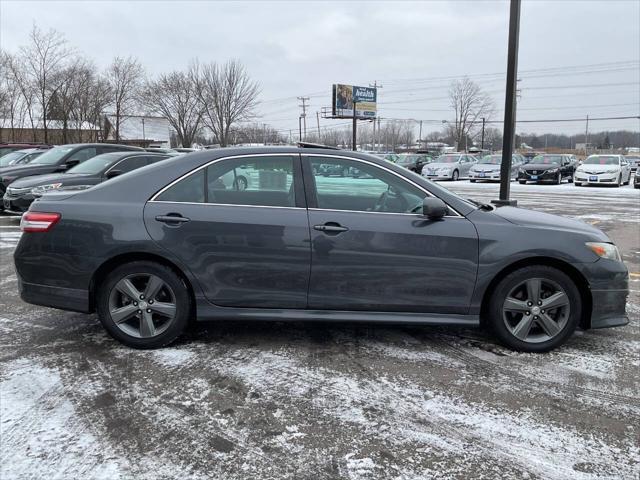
(142, 305)
(536, 310)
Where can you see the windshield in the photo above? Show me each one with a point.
(52, 156)
(602, 160)
(96, 164)
(548, 159)
(447, 159)
(492, 160)
(10, 157)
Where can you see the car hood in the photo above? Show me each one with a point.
(27, 169)
(532, 218)
(441, 165)
(489, 167)
(540, 166)
(37, 180)
(599, 168)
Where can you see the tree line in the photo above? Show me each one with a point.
(47, 81)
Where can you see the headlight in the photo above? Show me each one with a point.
(39, 190)
(604, 250)
(552, 170)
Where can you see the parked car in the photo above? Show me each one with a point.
(413, 161)
(57, 159)
(170, 151)
(20, 157)
(488, 168)
(634, 162)
(636, 180)
(548, 168)
(450, 166)
(21, 193)
(155, 248)
(12, 147)
(185, 150)
(604, 169)
(389, 157)
(528, 156)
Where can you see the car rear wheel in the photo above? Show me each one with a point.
(522, 182)
(144, 305)
(534, 309)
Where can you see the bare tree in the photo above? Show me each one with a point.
(125, 76)
(21, 93)
(173, 96)
(43, 58)
(470, 104)
(227, 96)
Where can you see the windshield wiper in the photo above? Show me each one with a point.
(480, 205)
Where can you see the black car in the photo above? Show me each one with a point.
(413, 161)
(548, 168)
(21, 193)
(179, 240)
(634, 161)
(57, 159)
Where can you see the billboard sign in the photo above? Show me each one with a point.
(345, 95)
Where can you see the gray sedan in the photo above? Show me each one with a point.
(156, 248)
(488, 168)
(451, 166)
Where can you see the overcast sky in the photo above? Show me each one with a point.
(412, 48)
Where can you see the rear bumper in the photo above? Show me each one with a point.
(54, 297)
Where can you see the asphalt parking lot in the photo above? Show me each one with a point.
(318, 401)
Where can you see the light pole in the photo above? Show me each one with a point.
(510, 105)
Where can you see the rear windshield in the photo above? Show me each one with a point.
(602, 160)
(96, 164)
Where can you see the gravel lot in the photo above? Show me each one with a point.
(318, 401)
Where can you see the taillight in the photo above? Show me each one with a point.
(38, 221)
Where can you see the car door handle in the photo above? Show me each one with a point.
(330, 228)
(172, 218)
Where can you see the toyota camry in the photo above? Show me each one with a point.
(179, 240)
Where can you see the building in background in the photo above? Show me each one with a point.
(58, 131)
(141, 131)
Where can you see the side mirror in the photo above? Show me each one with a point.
(434, 208)
(113, 173)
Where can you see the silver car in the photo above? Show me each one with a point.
(488, 168)
(450, 166)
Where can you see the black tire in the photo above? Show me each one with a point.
(522, 182)
(472, 180)
(180, 291)
(577, 184)
(559, 179)
(455, 176)
(619, 183)
(496, 321)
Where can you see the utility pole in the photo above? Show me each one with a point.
(376, 86)
(510, 105)
(300, 128)
(290, 138)
(379, 132)
(353, 132)
(420, 136)
(586, 138)
(482, 141)
(264, 133)
(304, 101)
(318, 121)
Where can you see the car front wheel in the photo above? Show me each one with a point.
(534, 309)
(455, 176)
(144, 304)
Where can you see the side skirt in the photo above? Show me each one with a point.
(208, 312)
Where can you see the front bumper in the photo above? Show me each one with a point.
(595, 179)
(488, 176)
(17, 203)
(539, 176)
(437, 176)
(609, 285)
